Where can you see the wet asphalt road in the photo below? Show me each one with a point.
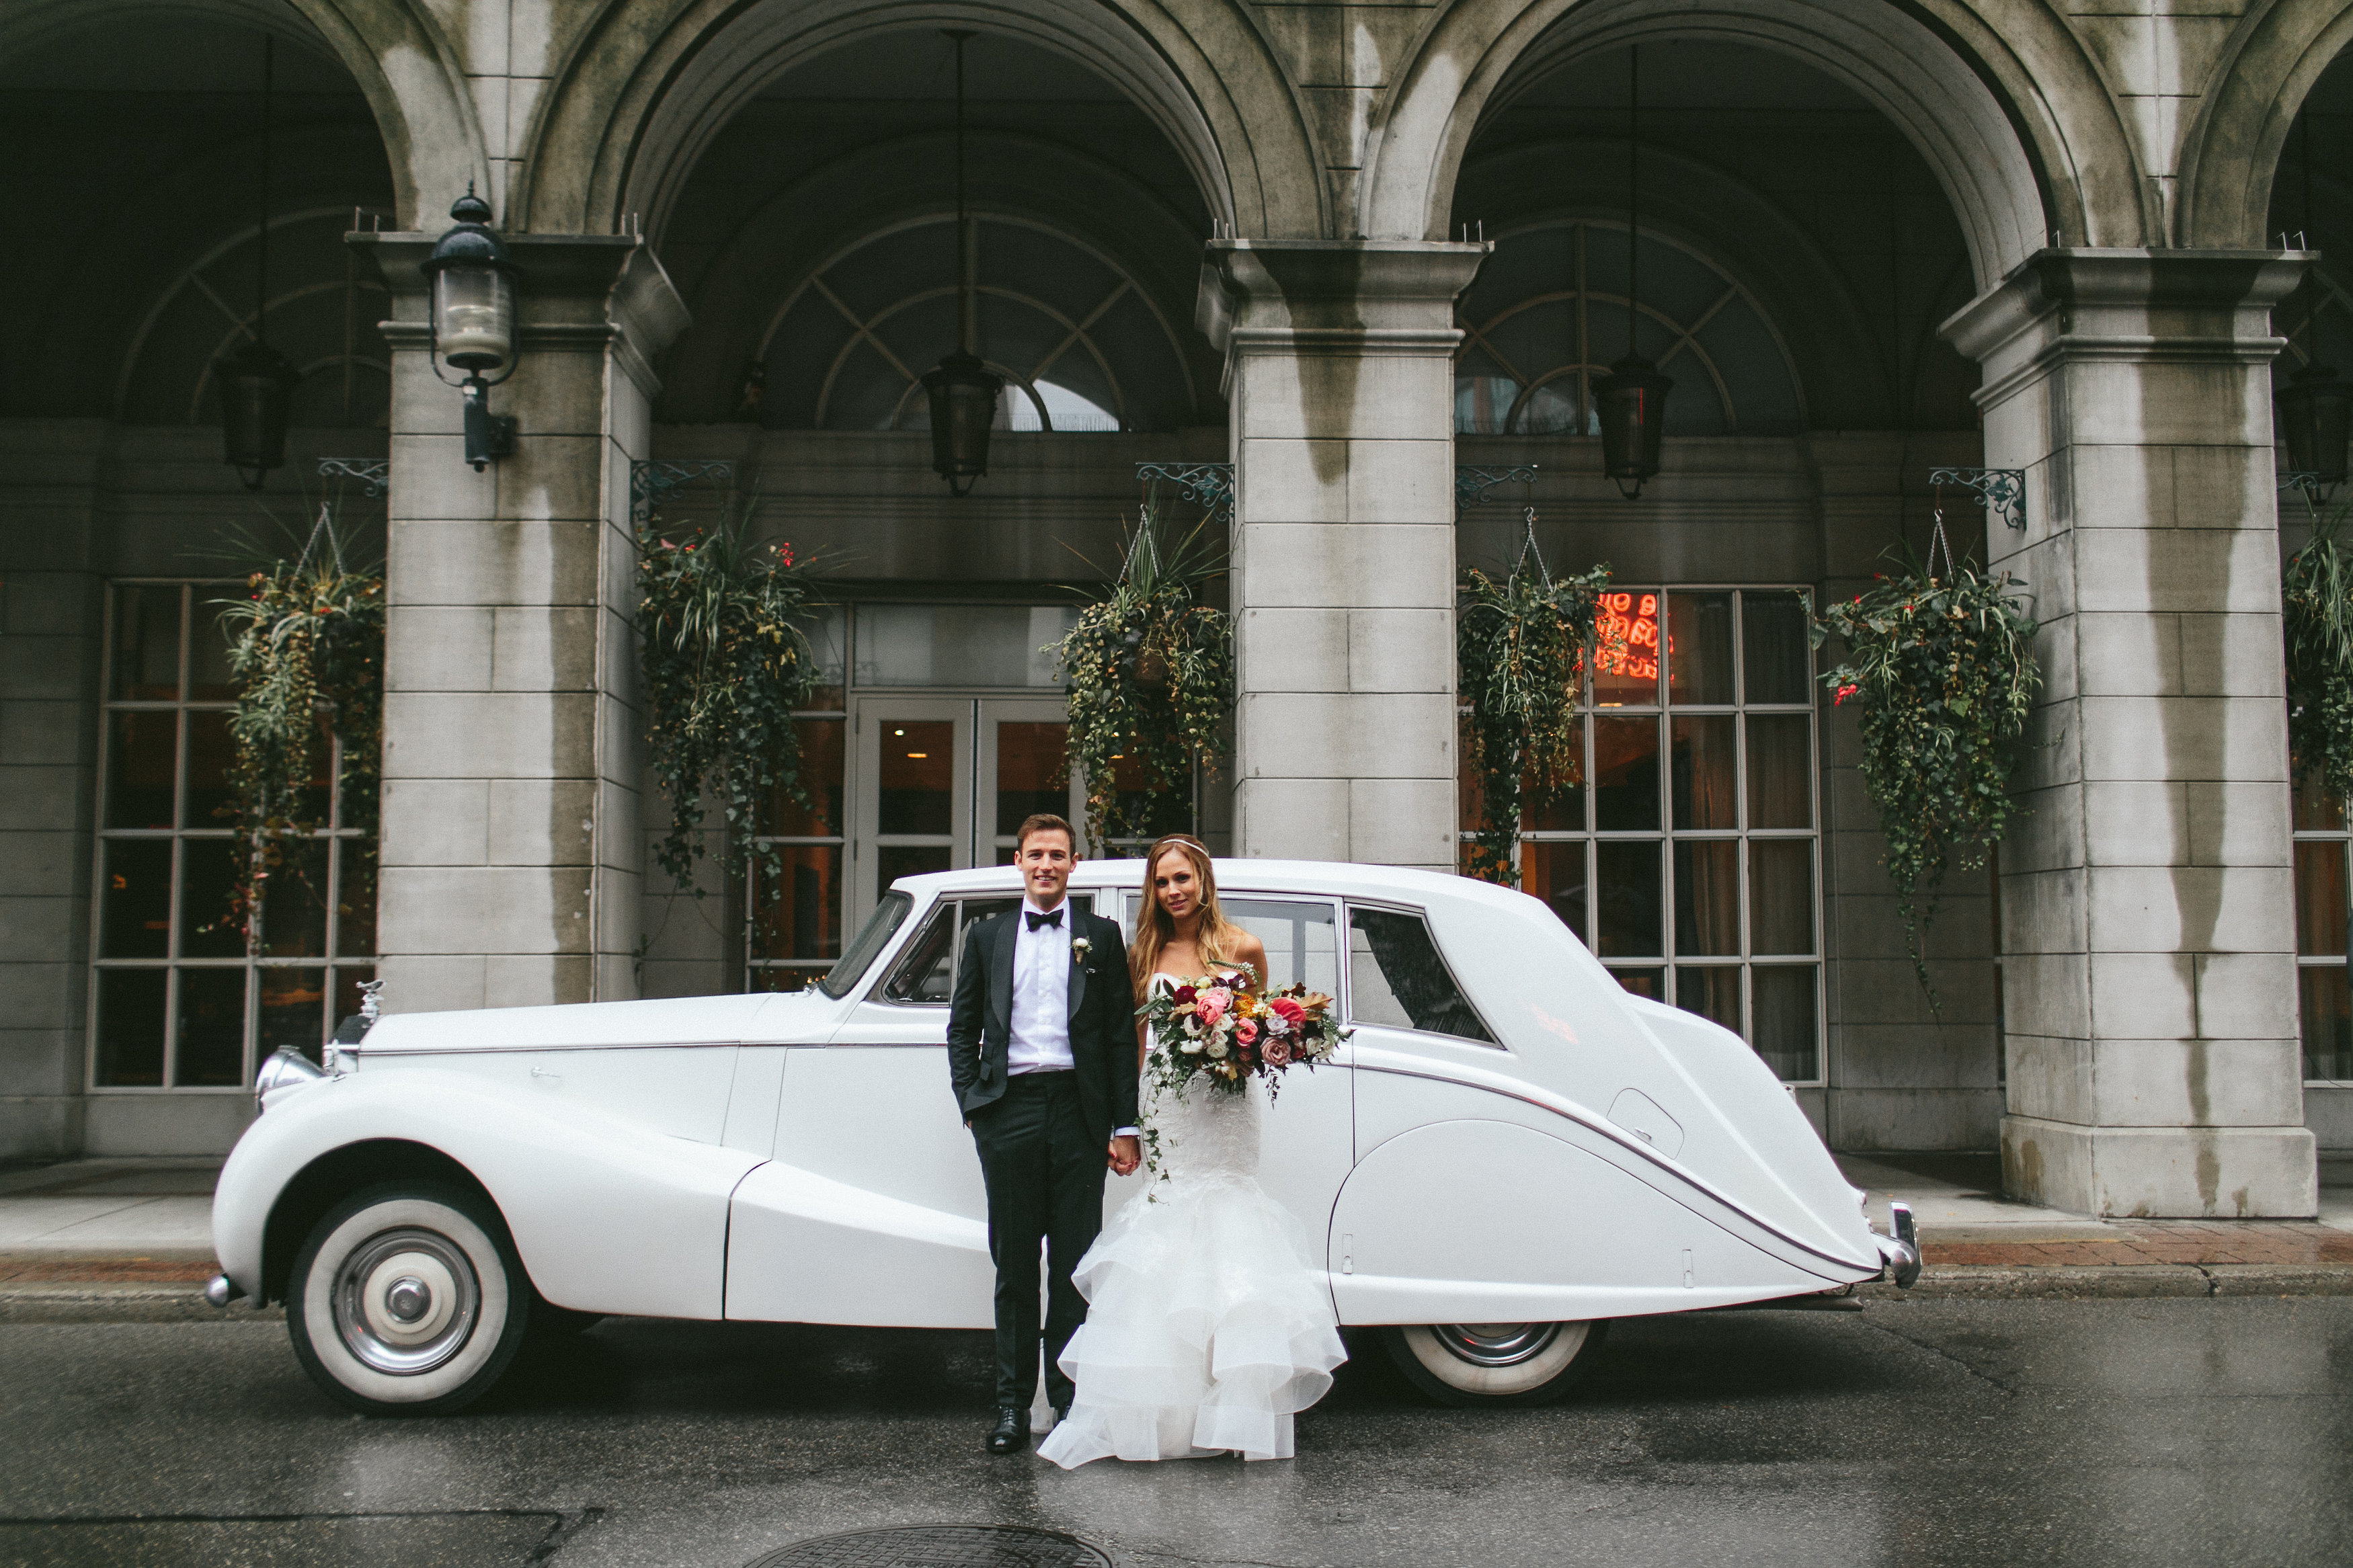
(1918, 1433)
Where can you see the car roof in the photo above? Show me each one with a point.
(1331, 878)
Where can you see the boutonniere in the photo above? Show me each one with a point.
(1080, 948)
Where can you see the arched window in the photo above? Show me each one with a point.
(1079, 340)
(1546, 315)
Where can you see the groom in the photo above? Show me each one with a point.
(1041, 1049)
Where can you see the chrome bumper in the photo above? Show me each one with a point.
(1899, 1254)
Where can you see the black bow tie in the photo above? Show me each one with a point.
(1050, 918)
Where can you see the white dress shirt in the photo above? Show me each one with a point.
(1041, 998)
(1041, 994)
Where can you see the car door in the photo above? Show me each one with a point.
(871, 1208)
(1307, 1142)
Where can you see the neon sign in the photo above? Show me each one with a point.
(1626, 636)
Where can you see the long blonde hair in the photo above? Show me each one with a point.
(1218, 938)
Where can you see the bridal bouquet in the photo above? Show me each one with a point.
(1212, 1028)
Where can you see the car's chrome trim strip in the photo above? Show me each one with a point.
(1567, 1112)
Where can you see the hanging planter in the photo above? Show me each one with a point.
(1520, 653)
(1150, 671)
(725, 663)
(1941, 669)
(306, 654)
(2316, 609)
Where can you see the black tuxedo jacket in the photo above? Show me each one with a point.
(1102, 1020)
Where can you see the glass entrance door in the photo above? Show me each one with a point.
(943, 782)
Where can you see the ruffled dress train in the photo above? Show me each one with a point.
(1209, 1326)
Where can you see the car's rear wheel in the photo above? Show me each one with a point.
(408, 1300)
(1495, 1363)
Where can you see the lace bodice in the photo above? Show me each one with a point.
(1204, 1133)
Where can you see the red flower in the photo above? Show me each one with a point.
(1185, 993)
(1288, 1010)
(1843, 693)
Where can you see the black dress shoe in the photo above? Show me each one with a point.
(1062, 1414)
(1011, 1433)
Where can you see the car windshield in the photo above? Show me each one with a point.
(878, 929)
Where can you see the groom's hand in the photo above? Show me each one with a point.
(1125, 1157)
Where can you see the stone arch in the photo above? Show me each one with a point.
(397, 53)
(636, 100)
(2009, 155)
(2233, 151)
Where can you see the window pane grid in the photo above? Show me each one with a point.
(795, 936)
(2323, 927)
(1698, 742)
(174, 1005)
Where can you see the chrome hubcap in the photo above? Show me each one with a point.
(1495, 1344)
(406, 1301)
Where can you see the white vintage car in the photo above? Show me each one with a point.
(1509, 1151)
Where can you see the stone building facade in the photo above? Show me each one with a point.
(1354, 251)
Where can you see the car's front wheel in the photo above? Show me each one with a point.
(1495, 1363)
(408, 1300)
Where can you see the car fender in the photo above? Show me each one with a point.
(607, 1216)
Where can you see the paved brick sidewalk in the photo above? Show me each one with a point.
(2196, 1243)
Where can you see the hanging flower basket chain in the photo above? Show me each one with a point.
(306, 656)
(1521, 647)
(1150, 674)
(1940, 667)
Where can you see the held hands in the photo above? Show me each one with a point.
(1125, 1157)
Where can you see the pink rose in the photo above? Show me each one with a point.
(1246, 1031)
(1277, 1054)
(1209, 1003)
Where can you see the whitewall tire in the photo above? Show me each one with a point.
(407, 1299)
(1495, 1363)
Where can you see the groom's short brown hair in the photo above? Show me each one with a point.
(1045, 822)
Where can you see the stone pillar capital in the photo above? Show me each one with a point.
(576, 289)
(2145, 305)
(1306, 296)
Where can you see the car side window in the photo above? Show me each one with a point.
(1397, 980)
(1302, 940)
(924, 975)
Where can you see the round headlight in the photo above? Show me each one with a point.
(288, 1066)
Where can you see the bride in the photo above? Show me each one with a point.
(1207, 1327)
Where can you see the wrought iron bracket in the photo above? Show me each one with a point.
(1472, 483)
(1209, 486)
(2000, 492)
(374, 474)
(653, 481)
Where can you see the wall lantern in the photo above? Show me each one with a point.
(1631, 401)
(256, 383)
(472, 319)
(962, 390)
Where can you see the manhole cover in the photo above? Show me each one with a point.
(941, 1546)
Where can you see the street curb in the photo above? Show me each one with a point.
(124, 1304)
(1982, 1282)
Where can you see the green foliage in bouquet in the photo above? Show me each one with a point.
(1520, 653)
(1942, 671)
(726, 662)
(1150, 671)
(306, 654)
(2317, 602)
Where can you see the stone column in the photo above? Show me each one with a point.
(513, 858)
(1340, 377)
(2148, 960)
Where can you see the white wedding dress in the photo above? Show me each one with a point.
(1208, 1325)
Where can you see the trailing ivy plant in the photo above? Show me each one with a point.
(1150, 672)
(725, 661)
(1942, 671)
(2317, 601)
(306, 654)
(1520, 649)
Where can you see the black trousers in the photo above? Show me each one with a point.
(1045, 1178)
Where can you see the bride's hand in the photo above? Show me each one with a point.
(1125, 1157)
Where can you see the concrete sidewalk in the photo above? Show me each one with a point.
(133, 1239)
